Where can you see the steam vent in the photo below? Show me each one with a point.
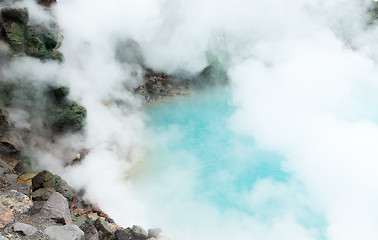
(188, 120)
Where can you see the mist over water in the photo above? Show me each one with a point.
(287, 151)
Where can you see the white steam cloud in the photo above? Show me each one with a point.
(303, 75)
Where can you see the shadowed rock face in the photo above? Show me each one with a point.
(14, 34)
(46, 3)
(20, 15)
(11, 142)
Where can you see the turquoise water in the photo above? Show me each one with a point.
(201, 138)
(195, 156)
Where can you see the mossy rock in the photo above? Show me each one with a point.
(49, 39)
(60, 93)
(214, 72)
(52, 55)
(44, 179)
(24, 165)
(69, 117)
(35, 48)
(14, 35)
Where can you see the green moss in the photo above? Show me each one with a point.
(60, 93)
(214, 71)
(49, 39)
(55, 56)
(35, 48)
(15, 36)
(68, 117)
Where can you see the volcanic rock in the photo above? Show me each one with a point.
(46, 3)
(90, 232)
(19, 203)
(43, 194)
(20, 187)
(5, 122)
(139, 232)
(20, 15)
(121, 234)
(63, 188)
(11, 142)
(6, 216)
(42, 180)
(103, 227)
(57, 208)
(67, 232)
(26, 229)
(14, 34)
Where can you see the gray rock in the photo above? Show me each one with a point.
(67, 232)
(43, 194)
(5, 122)
(120, 234)
(139, 232)
(11, 142)
(90, 232)
(20, 15)
(14, 34)
(42, 180)
(7, 180)
(18, 202)
(6, 166)
(37, 206)
(26, 229)
(20, 187)
(63, 188)
(103, 227)
(57, 208)
(46, 3)
(154, 232)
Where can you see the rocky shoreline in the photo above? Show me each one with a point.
(36, 204)
(40, 205)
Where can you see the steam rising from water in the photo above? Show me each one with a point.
(303, 78)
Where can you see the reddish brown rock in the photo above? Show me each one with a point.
(6, 216)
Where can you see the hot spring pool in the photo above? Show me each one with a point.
(199, 170)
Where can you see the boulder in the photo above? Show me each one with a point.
(35, 47)
(139, 232)
(37, 206)
(69, 116)
(67, 232)
(6, 167)
(154, 232)
(24, 165)
(6, 216)
(20, 187)
(11, 142)
(90, 232)
(57, 208)
(19, 203)
(46, 3)
(26, 229)
(5, 122)
(63, 188)
(44, 179)
(14, 34)
(121, 234)
(20, 15)
(7, 179)
(43, 194)
(103, 227)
